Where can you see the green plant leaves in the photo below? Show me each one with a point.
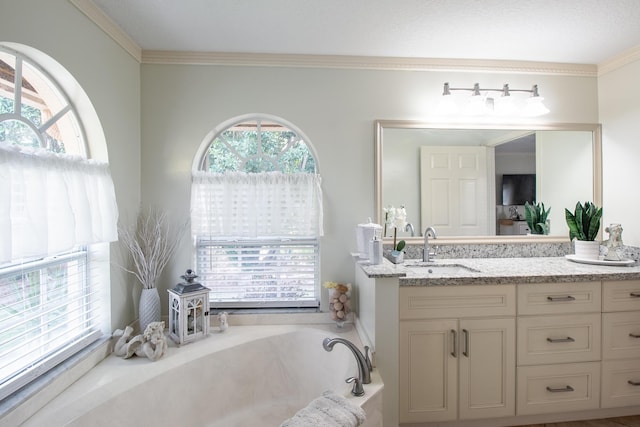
(584, 222)
(536, 217)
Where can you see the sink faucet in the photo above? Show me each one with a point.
(426, 255)
(409, 227)
(364, 363)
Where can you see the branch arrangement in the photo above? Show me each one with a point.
(151, 243)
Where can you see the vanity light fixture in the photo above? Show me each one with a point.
(481, 102)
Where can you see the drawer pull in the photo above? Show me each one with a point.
(563, 298)
(466, 342)
(454, 339)
(560, 390)
(556, 340)
(632, 335)
(634, 383)
(634, 295)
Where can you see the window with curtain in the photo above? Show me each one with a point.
(57, 213)
(256, 216)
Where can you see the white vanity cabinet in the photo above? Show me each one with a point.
(456, 352)
(621, 343)
(558, 347)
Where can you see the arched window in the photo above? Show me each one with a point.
(257, 215)
(57, 211)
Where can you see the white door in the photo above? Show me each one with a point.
(454, 190)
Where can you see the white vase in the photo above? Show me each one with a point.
(149, 307)
(586, 249)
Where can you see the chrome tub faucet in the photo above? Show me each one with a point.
(363, 361)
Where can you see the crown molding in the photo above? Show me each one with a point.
(104, 22)
(95, 14)
(619, 61)
(365, 62)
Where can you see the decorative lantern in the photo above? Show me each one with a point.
(188, 310)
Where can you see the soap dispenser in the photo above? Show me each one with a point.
(375, 248)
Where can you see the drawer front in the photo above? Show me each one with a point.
(433, 302)
(558, 388)
(621, 295)
(620, 383)
(559, 298)
(558, 339)
(621, 335)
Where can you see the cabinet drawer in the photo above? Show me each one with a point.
(620, 383)
(621, 295)
(621, 335)
(558, 388)
(421, 302)
(558, 339)
(559, 298)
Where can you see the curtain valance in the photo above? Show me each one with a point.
(51, 203)
(254, 205)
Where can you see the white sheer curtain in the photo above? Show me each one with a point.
(50, 203)
(256, 205)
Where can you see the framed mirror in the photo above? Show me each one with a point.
(469, 181)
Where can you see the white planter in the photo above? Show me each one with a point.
(587, 249)
(149, 307)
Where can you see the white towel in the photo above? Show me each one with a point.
(330, 410)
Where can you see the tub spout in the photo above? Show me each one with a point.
(364, 363)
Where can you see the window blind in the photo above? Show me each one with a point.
(48, 312)
(267, 273)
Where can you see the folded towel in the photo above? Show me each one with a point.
(329, 410)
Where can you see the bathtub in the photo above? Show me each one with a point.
(246, 376)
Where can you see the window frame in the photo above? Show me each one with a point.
(200, 164)
(95, 257)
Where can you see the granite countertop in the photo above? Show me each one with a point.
(481, 271)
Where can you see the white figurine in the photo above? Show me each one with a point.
(151, 344)
(222, 317)
(614, 242)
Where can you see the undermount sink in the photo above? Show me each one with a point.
(439, 269)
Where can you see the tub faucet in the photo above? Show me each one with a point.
(364, 363)
(426, 255)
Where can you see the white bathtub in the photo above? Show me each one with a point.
(246, 376)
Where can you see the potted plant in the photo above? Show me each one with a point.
(584, 225)
(537, 218)
(151, 243)
(396, 218)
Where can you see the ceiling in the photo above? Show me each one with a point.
(567, 31)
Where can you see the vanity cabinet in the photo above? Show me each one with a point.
(558, 347)
(621, 343)
(456, 352)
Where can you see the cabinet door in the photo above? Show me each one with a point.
(487, 368)
(428, 370)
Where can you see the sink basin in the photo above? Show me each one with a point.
(436, 270)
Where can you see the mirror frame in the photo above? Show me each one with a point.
(381, 125)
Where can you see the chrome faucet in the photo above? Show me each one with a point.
(426, 255)
(363, 360)
(409, 227)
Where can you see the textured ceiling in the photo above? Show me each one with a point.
(573, 31)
